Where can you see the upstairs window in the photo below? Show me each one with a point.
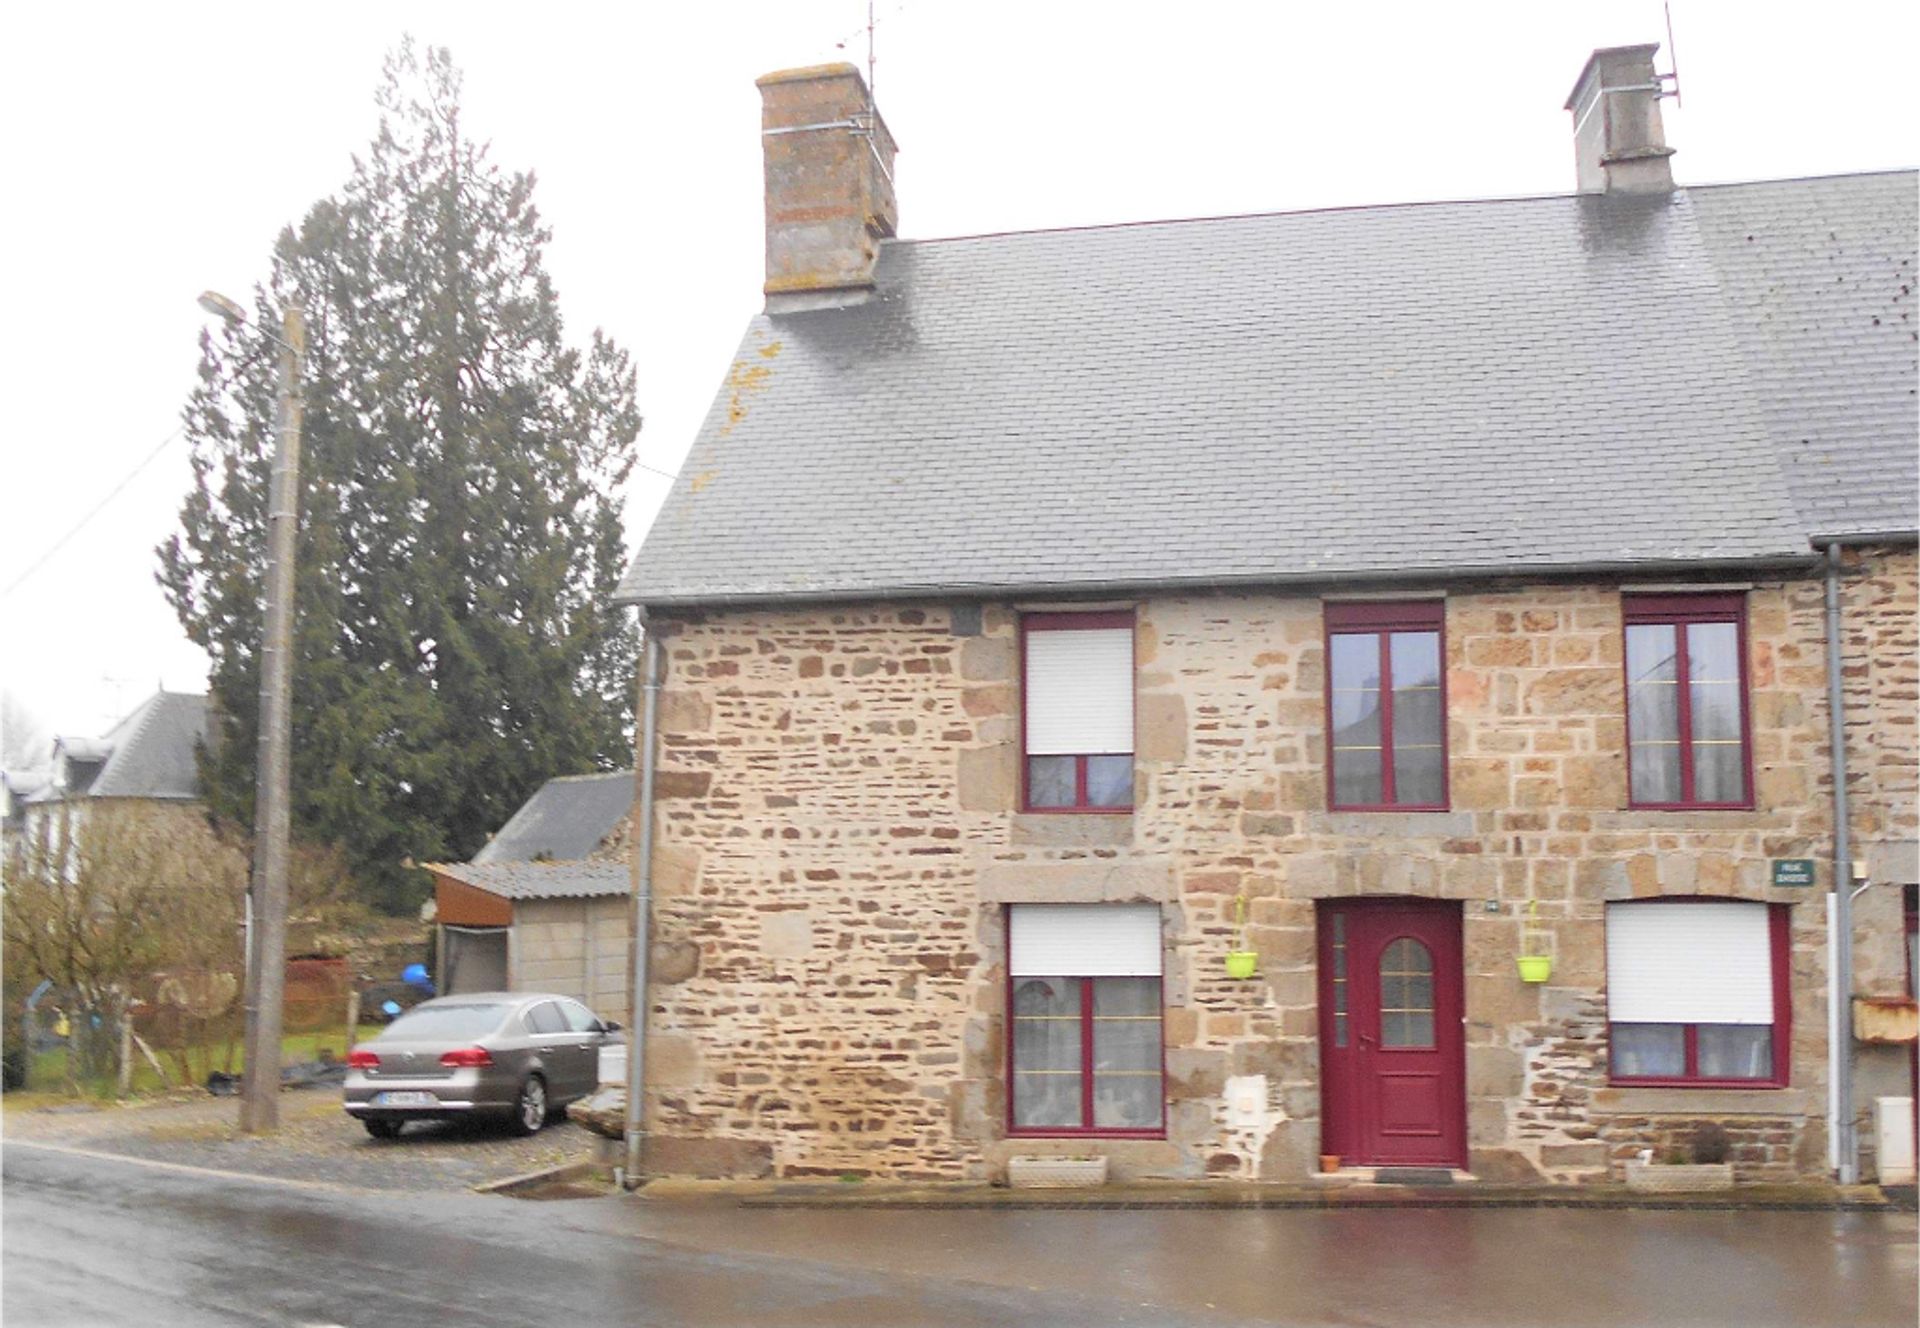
(1386, 707)
(1697, 992)
(1078, 711)
(1687, 727)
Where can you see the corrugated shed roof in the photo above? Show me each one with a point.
(566, 819)
(1821, 276)
(1518, 385)
(539, 880)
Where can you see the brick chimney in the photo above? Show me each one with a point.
(1619, 146)
(829, 164)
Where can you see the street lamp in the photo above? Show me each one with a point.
(267, 887)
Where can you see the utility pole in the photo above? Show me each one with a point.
(267, 889)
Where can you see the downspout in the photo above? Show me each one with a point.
(640, 946)
(1840, 911)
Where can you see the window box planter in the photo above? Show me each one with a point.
(1678, 1177)
(1056, 1173)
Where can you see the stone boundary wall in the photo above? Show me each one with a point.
(839, 834)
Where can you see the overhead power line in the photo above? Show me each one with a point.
(92, 512)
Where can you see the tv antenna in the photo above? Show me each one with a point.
(1670, 82)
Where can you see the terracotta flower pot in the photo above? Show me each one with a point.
(1329, 1161)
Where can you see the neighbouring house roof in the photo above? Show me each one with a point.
(1820, 275)
(567, 818)
(539, 880)
(152, 753)
(1527, 385)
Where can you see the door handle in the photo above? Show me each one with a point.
(1366, 1039)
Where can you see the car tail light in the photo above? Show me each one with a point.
(361, 1059)
(476, 1057)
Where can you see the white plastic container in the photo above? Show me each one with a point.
(1893, 1139)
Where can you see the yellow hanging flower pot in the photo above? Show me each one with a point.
(1533, 967)
(1242, 963)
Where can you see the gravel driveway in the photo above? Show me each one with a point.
(317, 1141)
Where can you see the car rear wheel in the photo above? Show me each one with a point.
(382, 1129)
(530, 1112)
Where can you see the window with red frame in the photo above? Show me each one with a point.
(1083, 999)
(1687, 728)
(1078, 711)
(1386, 707)
(1697, 992)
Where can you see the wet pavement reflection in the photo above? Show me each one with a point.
(95, 1241)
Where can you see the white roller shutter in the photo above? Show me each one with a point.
(1080, 691)
(1084, 940)
(1705, 963)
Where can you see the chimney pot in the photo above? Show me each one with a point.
(829, 180)
(1619, 144)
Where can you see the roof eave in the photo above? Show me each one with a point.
(1798, 561)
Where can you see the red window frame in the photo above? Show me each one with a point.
(1780, 938)
(1680, 611)
(1086, 1129)
(1382, 620)
(1070, 622)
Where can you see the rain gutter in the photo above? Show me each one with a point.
(640, 944)
(1840, 907)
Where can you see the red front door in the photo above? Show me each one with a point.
(1392, 1050)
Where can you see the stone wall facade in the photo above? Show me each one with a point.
(839, 836)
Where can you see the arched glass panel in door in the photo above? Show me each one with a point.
(1406, 994)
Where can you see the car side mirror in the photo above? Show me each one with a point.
(609, 1025)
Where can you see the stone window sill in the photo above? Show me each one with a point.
(1408, 825)
(1702, 1101)
(1058, 830)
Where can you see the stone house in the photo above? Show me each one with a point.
(1390, 592)
(149, 759)
(543, 906)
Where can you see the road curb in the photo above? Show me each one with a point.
(533, 1180)
(774, 1194)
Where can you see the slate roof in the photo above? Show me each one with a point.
(152, 753)
(565, 819)
(539, 880)
(1525, 385)
(1820, 275)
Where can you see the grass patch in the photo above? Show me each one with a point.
(48, 1075)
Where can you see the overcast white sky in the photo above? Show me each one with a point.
(155, 150)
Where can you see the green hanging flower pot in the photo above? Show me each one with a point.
(1242, 964)
(1535, 968)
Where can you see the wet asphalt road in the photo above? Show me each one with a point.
(92, 1241)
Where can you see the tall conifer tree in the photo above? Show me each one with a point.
(460, 531)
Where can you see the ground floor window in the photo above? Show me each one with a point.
(1084, 1008)
(1697, 992)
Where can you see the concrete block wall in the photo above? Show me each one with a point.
(574, 947)
(839, 835)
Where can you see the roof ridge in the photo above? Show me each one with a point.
(1397, 206)
(144, 713)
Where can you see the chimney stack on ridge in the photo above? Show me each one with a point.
(1619, 145)
(829, 175)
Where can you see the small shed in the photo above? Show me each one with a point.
(544, 905)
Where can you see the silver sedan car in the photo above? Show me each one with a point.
(518, 1056)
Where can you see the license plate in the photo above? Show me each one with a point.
(404, 1100)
